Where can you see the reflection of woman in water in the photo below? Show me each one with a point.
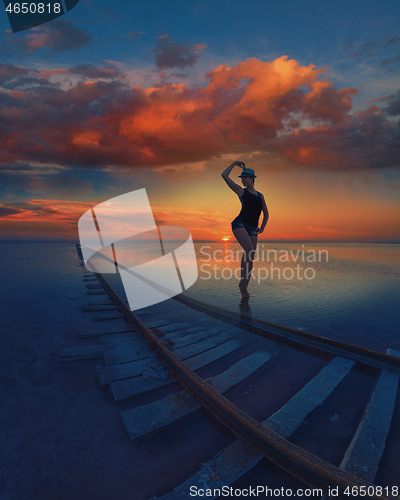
(245, 226)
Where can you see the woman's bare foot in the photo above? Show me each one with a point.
(243, 290)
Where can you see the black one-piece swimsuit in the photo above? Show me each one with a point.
(250, 213)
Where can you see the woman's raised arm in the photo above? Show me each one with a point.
(225, 175)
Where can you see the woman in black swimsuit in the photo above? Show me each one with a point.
(245, 226)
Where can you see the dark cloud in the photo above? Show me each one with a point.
(58, 36)
(17, 78)
(393, 104)
(179, 75)
(93, 72)
(9, 71)
(109, 71)
(165, 78)
(389, 61)
(360, 50)
(60, 184)
(5, 211)
(17, 168)
(394, 40)
(134, 35)
(365, 140)
(368, 50)
(170, 54)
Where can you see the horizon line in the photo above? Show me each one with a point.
(76, 241)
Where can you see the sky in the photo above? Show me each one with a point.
(114, 97)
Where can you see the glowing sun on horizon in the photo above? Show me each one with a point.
(225, 239)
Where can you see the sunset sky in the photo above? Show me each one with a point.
(118, 96)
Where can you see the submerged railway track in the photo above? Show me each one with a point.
(143, 356)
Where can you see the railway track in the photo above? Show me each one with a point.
(142, 355)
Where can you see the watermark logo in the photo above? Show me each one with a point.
(270, 264)
(24, 15)
(155, 262)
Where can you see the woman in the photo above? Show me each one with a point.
(245, 226)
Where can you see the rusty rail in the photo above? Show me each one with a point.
(369, 357)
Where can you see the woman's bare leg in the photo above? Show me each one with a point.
(253, 240)
(247, 244)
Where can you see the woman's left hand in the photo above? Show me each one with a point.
(259, 230)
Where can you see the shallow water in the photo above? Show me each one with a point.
(344, 291)
(58, 423)
(352, 294)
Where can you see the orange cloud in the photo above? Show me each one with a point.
(40, 218)
(86, 139)
(46, 215)
(43, 210)
(246, 105)
(252, 106)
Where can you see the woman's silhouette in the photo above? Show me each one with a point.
(245, 226)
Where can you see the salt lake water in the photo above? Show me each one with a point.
(346, 291)
(349, 292)
(59, 423)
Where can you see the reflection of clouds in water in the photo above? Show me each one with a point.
(138, 249)
(347, 291)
